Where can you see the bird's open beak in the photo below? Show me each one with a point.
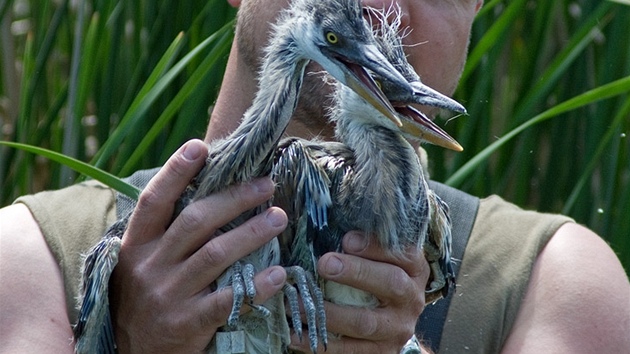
(427, 96)
(358, 79)
(419, 126)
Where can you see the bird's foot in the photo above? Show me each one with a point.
(438, 281)
(242, 286)
(313, 301)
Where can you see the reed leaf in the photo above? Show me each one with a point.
(603, 92)
(623, 2)
(223, 43)
(72, 124)
(4, 7)
(150, 91)
(79, 166)
(492, 36)
(613, 131)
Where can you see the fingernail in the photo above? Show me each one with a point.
(333, 266)
(276, 277)
(275, 217)
(192, 151)
(263, 185)
(355, 242)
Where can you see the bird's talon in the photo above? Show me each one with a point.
(313, 301)
(248, 280)
(243, 285)
(292, 298)
(232, 322)
(260, 310)
(412, 346)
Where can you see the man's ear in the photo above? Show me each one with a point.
(234, 3)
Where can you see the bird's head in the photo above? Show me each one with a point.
(415, 124)
(334, 34)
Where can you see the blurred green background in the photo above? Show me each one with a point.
(122, 84)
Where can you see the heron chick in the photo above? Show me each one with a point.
(332, 33)
(373, 177)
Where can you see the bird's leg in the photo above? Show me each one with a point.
(243, 285)
(439, 280)
(313, 301)
(238, 289)
(292, 297)
(250, 290)
(319, 306)
(432, 255)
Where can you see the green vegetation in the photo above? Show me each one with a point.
(122, 84)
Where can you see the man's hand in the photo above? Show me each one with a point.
(398, 284)
(160, 291)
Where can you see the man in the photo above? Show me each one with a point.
(576, 299)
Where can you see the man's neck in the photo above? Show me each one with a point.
(298, 129)
(236, 95)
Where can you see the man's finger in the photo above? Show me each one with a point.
(358, 244)
(217, 306)
(344, 345)
(358, 323)
(387, 282)
(156, 202)
(200, 220)
(215, 256)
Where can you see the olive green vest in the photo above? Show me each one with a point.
(491, 282)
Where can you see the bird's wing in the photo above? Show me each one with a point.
(337, 160)
(94, 330)
(307, 175)
(438, 243)
(302, 191)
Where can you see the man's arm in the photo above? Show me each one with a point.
(33, 317)
(577, 300)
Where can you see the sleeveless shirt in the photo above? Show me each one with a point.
(492, 281)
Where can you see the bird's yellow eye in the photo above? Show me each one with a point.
(332, 38)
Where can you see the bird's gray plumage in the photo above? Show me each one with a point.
(334, 34)
(374, 178)
(437, 243)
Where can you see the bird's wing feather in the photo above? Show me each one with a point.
(301, 183)
(303, 191)
(94, 330)
(438, 245)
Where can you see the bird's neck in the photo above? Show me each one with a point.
(246, 153)
(380, 153)
(383, 190)
(279, 84)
